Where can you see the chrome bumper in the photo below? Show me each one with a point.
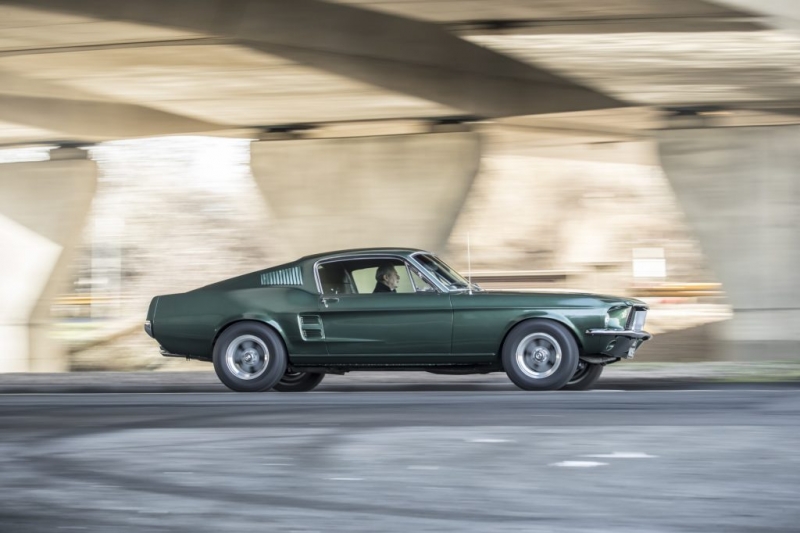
(629, 333)
(148, 328)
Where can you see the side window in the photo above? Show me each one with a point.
(360, 276)
(334, 279)
(366, 277)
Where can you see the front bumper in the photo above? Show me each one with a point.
(623, 343)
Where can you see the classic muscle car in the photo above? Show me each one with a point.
(285, 327)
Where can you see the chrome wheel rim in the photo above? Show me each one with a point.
(247, 357)
(538, 355)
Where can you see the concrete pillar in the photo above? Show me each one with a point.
(399, 190)
(43, 206)
(740, 190)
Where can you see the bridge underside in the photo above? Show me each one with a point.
(350, 98)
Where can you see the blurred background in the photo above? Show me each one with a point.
(635, 147)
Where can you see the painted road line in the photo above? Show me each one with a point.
(579, 464)
(621, 455)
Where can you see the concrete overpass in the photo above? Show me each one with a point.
(714, 84)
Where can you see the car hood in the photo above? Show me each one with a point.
(566, 298)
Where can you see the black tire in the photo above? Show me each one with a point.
(239, 357)
(550, 342)
(585, 376)
(298, 381)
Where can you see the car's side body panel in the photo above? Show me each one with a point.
(183, 323)
(401, 328)
(279, 307)
(187, 324)
(413, 329)
(483, 319)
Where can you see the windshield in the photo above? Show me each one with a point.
(439, 269)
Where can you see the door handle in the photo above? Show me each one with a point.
(331, 300)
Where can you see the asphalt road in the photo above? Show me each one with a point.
(491, 461)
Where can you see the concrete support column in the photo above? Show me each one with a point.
(43, 206)
(740, 190)
(399, 190)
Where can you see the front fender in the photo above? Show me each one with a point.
(547, 315)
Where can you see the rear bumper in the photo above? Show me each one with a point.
(622, 343)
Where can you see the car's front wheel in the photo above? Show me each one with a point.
(298, 381)
(585, 376)
(249, 357)
(540, 355)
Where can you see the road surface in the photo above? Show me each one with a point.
(723, 460)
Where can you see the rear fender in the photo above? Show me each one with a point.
(251, 317)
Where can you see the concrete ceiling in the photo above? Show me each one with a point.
(568, 16)
(85, 71)
(668, 69)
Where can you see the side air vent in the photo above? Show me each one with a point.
(286, 276)
(311, 327)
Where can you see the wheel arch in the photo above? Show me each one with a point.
(273, 325)
(558, 319)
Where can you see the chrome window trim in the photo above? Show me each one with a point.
(405, 260)
(438, 284)
(424, 272)
(420, 275)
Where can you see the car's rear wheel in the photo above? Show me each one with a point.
(585, 376)
(298, 381)
(540, 355)
(249, 357)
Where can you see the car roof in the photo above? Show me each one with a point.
(355, 252)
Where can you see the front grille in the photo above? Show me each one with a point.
(639, 316)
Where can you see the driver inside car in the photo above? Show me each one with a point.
(386, 278)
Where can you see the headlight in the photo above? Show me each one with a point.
(616, 318)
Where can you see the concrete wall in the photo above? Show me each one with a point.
(740, 190)
(401, 190)
(43, 206)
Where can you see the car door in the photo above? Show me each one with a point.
(411, 326)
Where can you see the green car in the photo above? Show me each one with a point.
(285, 327)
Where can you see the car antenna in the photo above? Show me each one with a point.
(469, 267)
